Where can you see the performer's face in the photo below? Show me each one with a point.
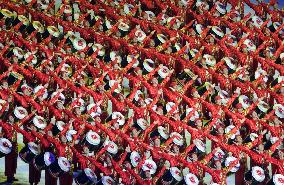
(220, 130)
(5, 85)
(194, 157)
(157, 142)
(282, 90)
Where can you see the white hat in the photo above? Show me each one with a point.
(64, 164)
(228, 61)
(229, 128)
(94, 110)
(120, 118)
(149, 165)
(202, 4)
(142, 123)
(199, 28)
(231, 159)
(209, 59)
(5, 146)
(161, 131)
(281, 55)
(218, 31)
(67, 9)
(59, 125)
(69, 135)
(99, 47)
(39, 122)
(194, 116)
(176, 173)
(38, 26)
(184, 2)
(193, 52)
(79, 103)
(278, 179)
(38, 88)
(178, 139)
(34, 148)
(127, 8)
(111, 147)
(107, 180)
(163, 72)
(23, 19)
(257, 21)
(219, 154)
(112, 82)
(279, 110)
(221, 7)
(250, 45)
(135, 158)
(7, 13)
(34, 60)
(191, 179)
(170, 106)
(253, 136)
(129, 59)
(18, 52)
(140, 35)
(79, 43)
(93, 138)
(263, 106)
(147, 66)
(199, 145)
(150, 15)
(60, 98)
(258, 173)
(244, 100)
(233, 40)
(20, 112)
(53, 31)
(162, 38)
(122, 26)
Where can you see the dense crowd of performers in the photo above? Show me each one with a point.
(142, 91)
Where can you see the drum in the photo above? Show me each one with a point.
(106, 180)
(255, 176)
(160, 39)
(86, 177)
(59, 167)
(92, 140)
(163, 72)
(148, 66)
(191, 179)
(29, 152)
(118, 116)
(5, 147)
(277, 179)
(43, 160)
(172, 176)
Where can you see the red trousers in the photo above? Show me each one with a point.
(11, 162)
(66, 179)
(34, 174)
(49, 180)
